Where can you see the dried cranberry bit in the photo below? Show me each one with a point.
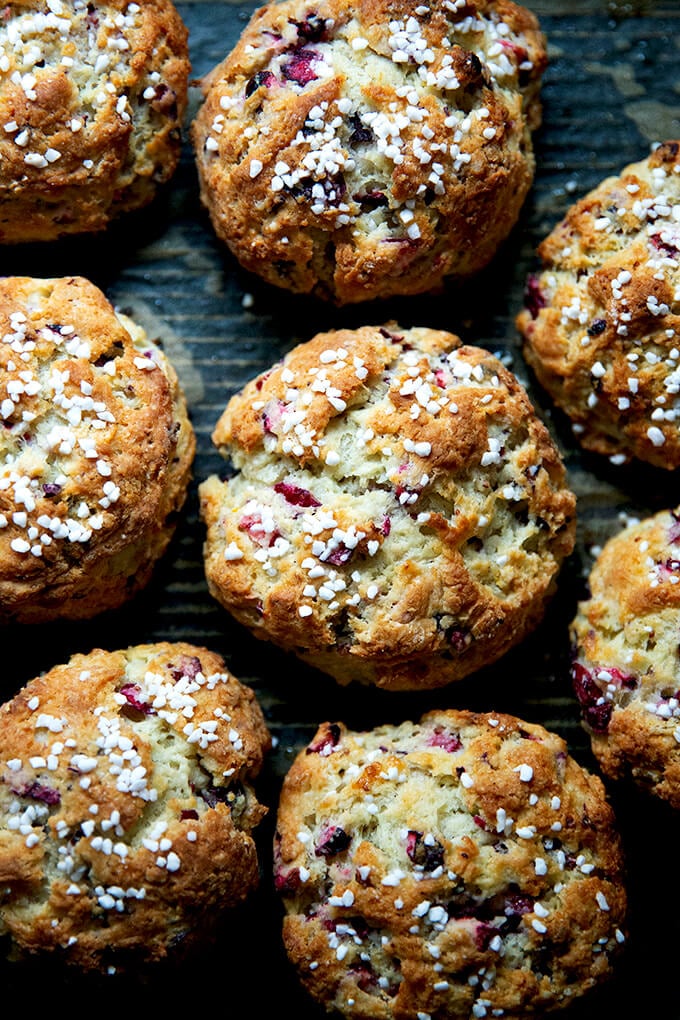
(51, 489)
(328, 740)
(361, 134)
(595, 709)
(299, 67)
(133, 695)
(597, 327)
(189, 815)
(427, 855)
(38, 791)
(187, 666)
(385, 526)
(287, 881)
(445, 739)
(295, 495)
(312, 28)
(261, 79)
(674, 530)
(254, 528)
(667, 246)
(370, 200)
(484, 933)
(332, 840)
(534, 298)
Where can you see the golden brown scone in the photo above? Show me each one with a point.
(463, 866)
(96, 451)
(625, 669)
(371, 149)
(92, 96)
(126, 804)
(602, 324)
(398, 514)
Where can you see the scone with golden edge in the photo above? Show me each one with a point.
(625, 671)
(92, 96)
(126, 804)
(95, 451)
(463, 866)
(398, 513)
(602, 324)
(364, 150)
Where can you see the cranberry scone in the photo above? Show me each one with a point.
(625, 670)
(96, 451)
(462, 866)
(396, 513)
(364, 150)
(127, 806)
(92, 98)
(601, 325)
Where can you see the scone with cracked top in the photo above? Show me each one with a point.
(601, 326)
(625, 669)
(127, 807)
(462, 866)
(398, 513)
(365, 150)
(96, 451)
(92, 98)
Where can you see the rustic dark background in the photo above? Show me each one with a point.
(611, 90)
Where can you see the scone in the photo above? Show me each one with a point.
(96, 451)
(92, 97)
(463, 866)
(601, 326)
(397, 513)
(625, 668)
(364, 150)
(126, 805)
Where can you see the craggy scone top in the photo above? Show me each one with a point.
(95, 451)
(362, 150)
(398, 513)
(92, 97)
(601, 326)
(463, 866)
(625, 668)
(126, 804)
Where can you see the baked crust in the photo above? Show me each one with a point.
(96, 451)
(458, 866)
(398, 513)
(625, 670)
(602, 321)
(359, 151)
(92, 99)
(126, 804)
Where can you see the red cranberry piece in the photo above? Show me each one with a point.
(339, 556)
(287, 881)
(189, 815)
(132, 694)
(295, 495)
(667, 247)
(369, 200)
(428, 855)
(596, 711)
(252, 525)
(479, 822)
(444, 738)
(299, 67)
(312, 28)
(362, 133)
(38, 791)
(51, 489)
(534, 298)
(597, 327)
(484, 933)
(268, 80)
(518, 904)
(187, 665)
(385, 526)
(327, 741)
(332, 840)
(364, 975)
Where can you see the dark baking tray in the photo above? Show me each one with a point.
(610, 91)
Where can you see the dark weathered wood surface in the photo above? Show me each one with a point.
(612, 89)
